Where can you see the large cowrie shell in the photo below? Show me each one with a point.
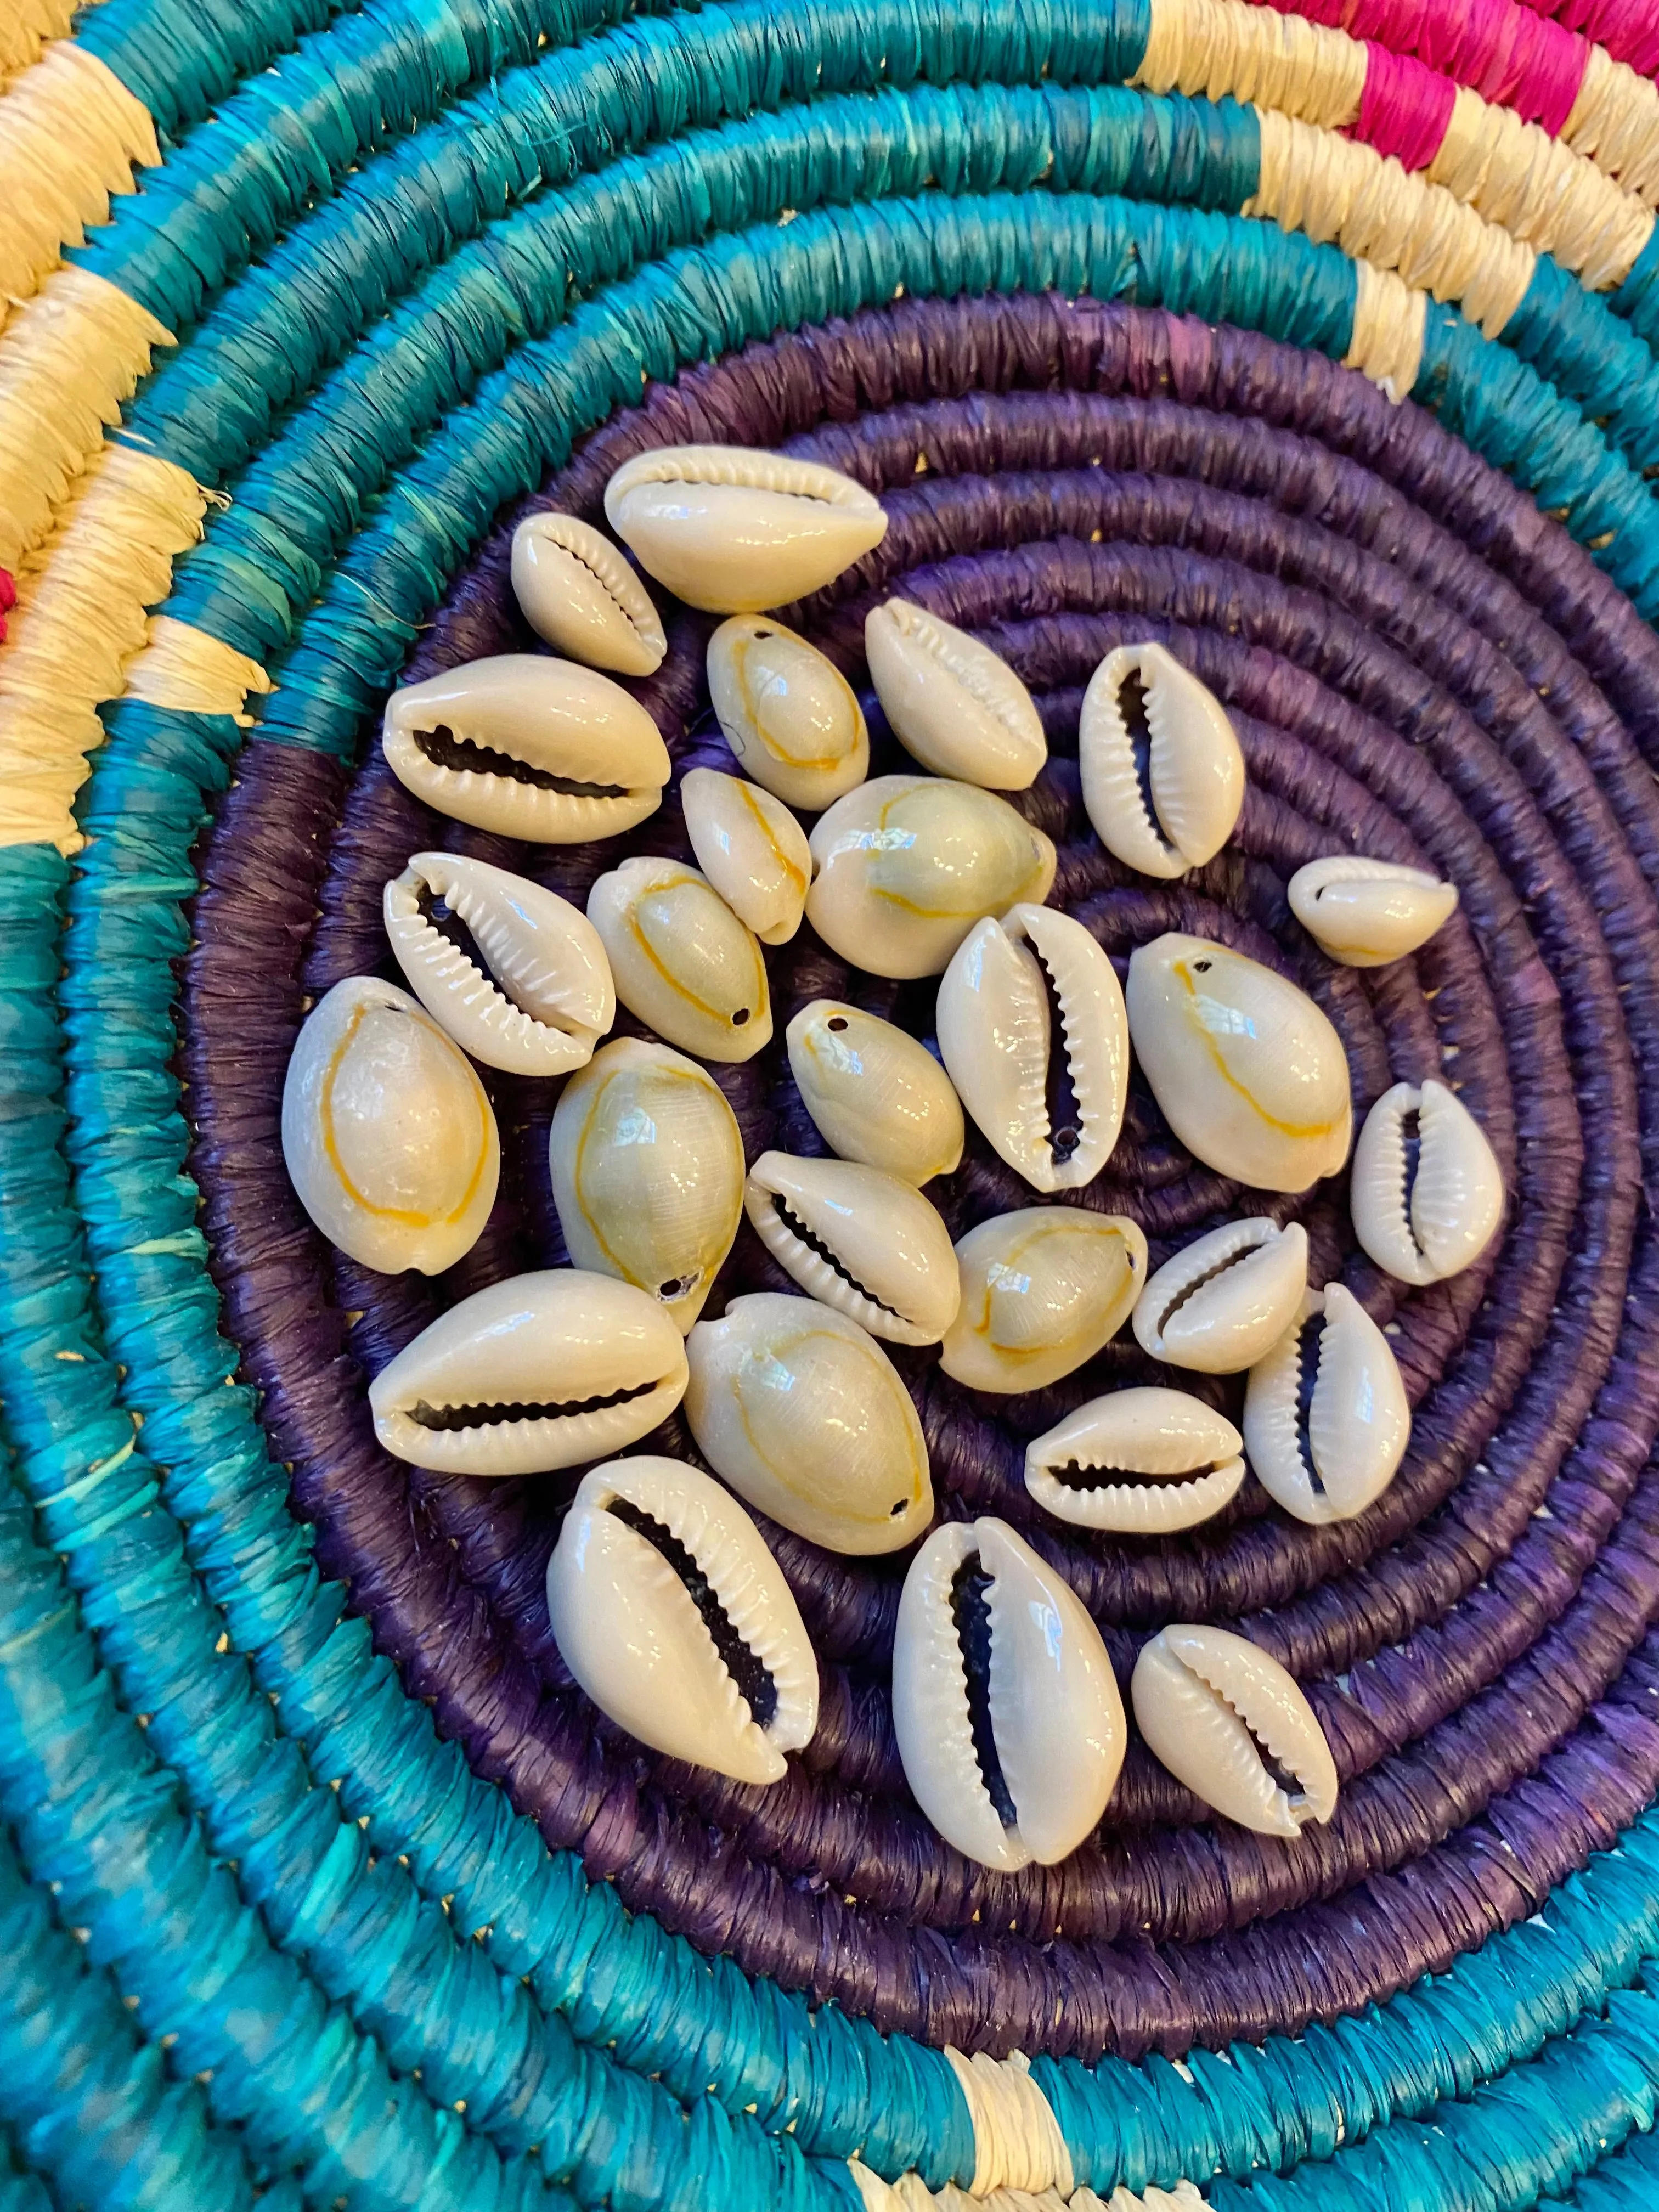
(681, 959)
(803, 1414)
(1426, 1192)
(750, 847)
(647, 1164)
(1227, 1720)
(859, 1241)
(1223, 1303)
(1162, 776)
(1041, 1292)
(528, 747)
(953, 704)
(1246, 1070)
(907, 865)
(732, 530)
(673, 1616)
(1326, 1420)
(528, 990)
(874, 1094)
(1004, 1706)
(1139, 1462)
(537, 1372)
(792, 719)
(1013, 1072)
(1366, 913)
(577, 591)
(388, 1138)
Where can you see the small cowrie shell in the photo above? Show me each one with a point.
(997, 1034)
(1227, 1720)
(1366, 913)
(1426, 1192)
(1140, 1462)
(751, 848)
(1325, 1438)
(1043, 1291)
(1223, 1303)
(859, 1241)
(1162, 776)
(953, 704)
(1246, 1070)
(681, 959)
(676, 1619)
(874, 1094)
(1004, 1706)
(732, 530)
(792, 719)
(535, 999)
(907, 865)
(527, 747)
(576, 590)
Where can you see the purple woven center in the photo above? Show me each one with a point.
(1419, 668)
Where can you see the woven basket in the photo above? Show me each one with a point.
(1320, 344)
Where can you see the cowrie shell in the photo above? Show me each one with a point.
(792, 719)
(577, 591)
(1366, 913)
(537, 997)
(1426, 1192)
(858, 1240)
(1004, 1706)
(996, 1033)
(528, 747)
(952, 702)
(539, 1371)
(1043, 1290)
(1140, 1462)
(1328, 1451)
(646, 1163)
(387, 1135)
(907, 865)
(751, 848)
(675, 1619)
(803, 1414)
(874, 1094)
(1223, 1302)
(1246, 1070)
(1162, 775)
(1227, 1720)
(681, 960)
(732, 530)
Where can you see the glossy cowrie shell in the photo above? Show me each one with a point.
(751, 848)
(792, 719)
(1366, 913)
(874, 1093)
(387, 1135)
(1004, 1706)
(952, 702)
(732, 530)
(1162, 775)
(1326, 1419)
(1223, 1302)
(675, 1619)
(576, 590)
(528, 747)
(1227, 1720)
(539, 1371)
(536, 999)
(1043, 1290)
(1140, 1462)
(858, 1240)
(1426, 1192)
(998, 1037)
(681, 960)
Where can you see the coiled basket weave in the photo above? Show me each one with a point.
(1320, 343)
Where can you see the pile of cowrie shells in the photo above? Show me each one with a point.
(1006, 1710)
